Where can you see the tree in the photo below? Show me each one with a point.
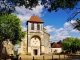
(9, 5)
(66, 43)
(76, 45)
(71, 44)
(10, 28)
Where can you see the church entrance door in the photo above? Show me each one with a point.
(35, 52)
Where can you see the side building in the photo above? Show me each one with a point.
(56, 48)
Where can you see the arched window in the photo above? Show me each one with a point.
(32, 26)
(38, 26)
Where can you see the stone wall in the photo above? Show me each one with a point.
(56, 50)
(8, 47)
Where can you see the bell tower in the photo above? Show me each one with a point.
(34, 36)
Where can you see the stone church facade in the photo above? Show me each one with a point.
(37, 40)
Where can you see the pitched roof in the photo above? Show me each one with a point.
(35, 19)
(55, 45)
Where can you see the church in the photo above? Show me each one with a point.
(36, 41)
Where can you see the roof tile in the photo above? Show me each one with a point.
(55, 45)
(35, 19)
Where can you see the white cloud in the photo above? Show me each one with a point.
(74, 30)
(57, 38)
(61, 33)
(68, 26)
(49, 28)
(24, 14)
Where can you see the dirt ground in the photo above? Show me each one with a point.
(43, 57)
(48, 57)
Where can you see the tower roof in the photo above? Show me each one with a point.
(35, 19)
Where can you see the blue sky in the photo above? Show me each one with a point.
(55, 22)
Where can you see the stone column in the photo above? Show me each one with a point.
(29, 42)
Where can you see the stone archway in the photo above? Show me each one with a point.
(35, 45)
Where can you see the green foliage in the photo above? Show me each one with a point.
(76, 25)
(15, 52)
(60, 4)
(22, 36)
(10, 28)
(9, 5)
(71, 44)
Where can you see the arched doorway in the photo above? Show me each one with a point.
(35, 45)
(35, 52)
